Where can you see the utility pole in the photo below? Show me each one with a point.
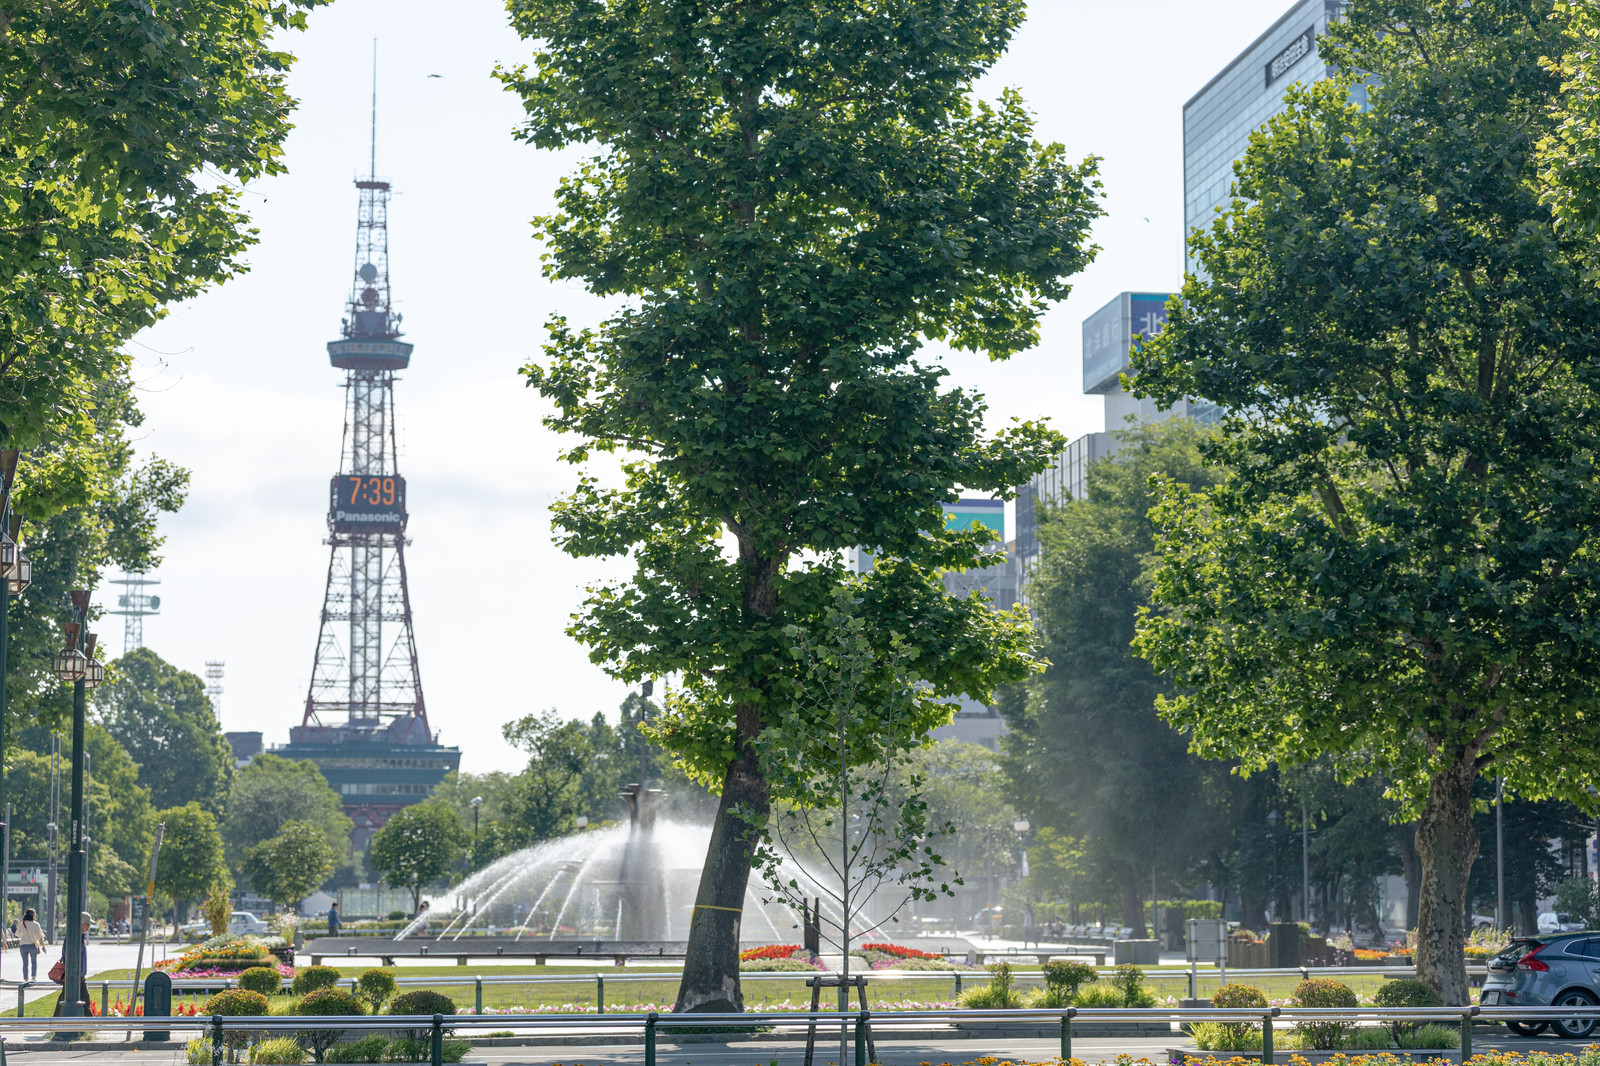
(144, 925)
(1305, 861)
(1500, 854)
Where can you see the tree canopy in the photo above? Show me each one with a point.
(288, 867)
(416, 847)
(162, 716)
(787, 198)
(191, 853)
(272, 792)
(1087, 753)
(1399, 574)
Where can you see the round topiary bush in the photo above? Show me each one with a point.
(375, 987)
(236, 1003)
(1406, 992)
(1322, 992)
(312, 978)
(327, 1002)
(1239, 1036)
(421, 1002)
(262, 979)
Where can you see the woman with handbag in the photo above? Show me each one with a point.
(30, 941)
(58, 972)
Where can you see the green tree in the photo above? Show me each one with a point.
(545, 799)
(1399, 576)
(191, 854)
(416, 847)
(272, 792)
(786, 199)
(1088, 754)
(966, 789)
(112, 114)
(163, 718)
(289, 867)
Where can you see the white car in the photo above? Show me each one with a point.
(239, 923)
(1551, 922)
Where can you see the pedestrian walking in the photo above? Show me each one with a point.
(30, 941)
(333, 918)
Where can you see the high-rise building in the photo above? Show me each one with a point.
(1218, 120)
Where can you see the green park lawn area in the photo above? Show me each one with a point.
(573, 987)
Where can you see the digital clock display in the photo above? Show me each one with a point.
(367, 502)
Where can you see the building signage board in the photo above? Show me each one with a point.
(363, 504)
(1105, 347)
(1293, 52)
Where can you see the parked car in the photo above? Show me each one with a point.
(239, 923)
(1550, 922)
(1561, 970)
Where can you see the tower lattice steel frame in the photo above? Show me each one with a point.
(371, 677)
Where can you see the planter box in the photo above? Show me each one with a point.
(1178, 1056)
(1397, 960)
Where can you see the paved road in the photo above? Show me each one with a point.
(777, 1053)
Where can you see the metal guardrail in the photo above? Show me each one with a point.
(655, 1025)
(477, 982)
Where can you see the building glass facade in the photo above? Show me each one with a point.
(1218, 120)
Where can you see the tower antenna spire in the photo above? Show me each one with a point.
(372, 162)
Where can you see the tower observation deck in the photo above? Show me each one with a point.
(365, 723)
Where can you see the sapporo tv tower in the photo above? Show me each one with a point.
(365, 724)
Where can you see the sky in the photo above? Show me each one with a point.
(236, 384)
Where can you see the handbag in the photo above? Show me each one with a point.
(58, 972)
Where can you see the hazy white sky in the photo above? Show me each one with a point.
(237, 386)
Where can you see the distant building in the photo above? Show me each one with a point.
(246, 746)
(1219, 119)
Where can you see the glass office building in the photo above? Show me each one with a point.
(1218, 120)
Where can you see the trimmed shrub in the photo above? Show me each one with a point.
(1237, 1035)
(996, 995)
(1407, 992)
(313, 978)
(327, 1002)
(1225, 1036)
(1322, 992)
(263, 979)
(1430, 1036)
(373, 1048)
(236, 1003)
(424, 1002)
(397, 916)
(1130, 979)
(280, 1050)
(1062, 979)
(375, 987)
(1099, 996)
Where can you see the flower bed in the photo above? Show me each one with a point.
(781, 958)
(221, 956)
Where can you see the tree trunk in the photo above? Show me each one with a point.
(1447, 844)
(1132, 888)
(1411, 868)
(711, 970)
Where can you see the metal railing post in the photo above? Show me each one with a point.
(105, 1001)
(650, 1039)
(216, 1040)
(20, 989)
(861, 1039)
(437, 1055)
(1066, 1034)
(1466, 1036)
(477, 998)
(1194, 983)
(1266, 1039)
(958, 982)
(599, 994)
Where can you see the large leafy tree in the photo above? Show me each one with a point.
(1400, 575)
(288, 867)
(1087, 753)
(164, 719)
(191, 854)
(272, 792)
(786, 198)
(112, 113)
(416, 847)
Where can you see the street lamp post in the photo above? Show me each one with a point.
(17, 572)
(80, 670)
(477, 805)
(1021, 828)
(1272, 823)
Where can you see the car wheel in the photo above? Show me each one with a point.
(1526, 1028)
(1574, 1028)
